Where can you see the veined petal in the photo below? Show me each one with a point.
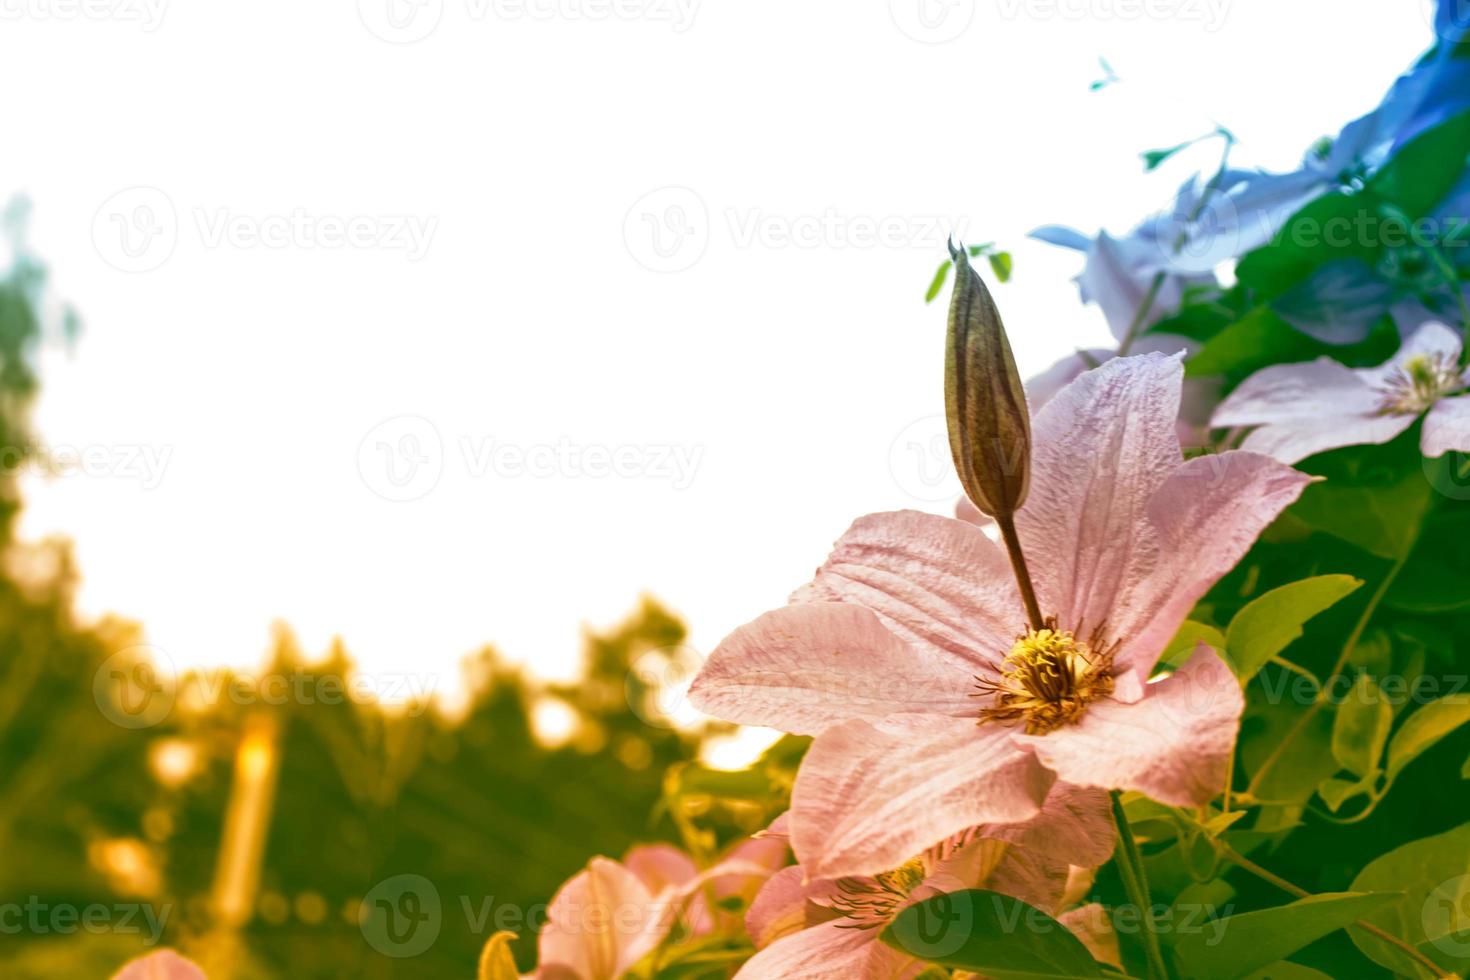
(1294, 441)
(805, 667)
(869, 797)
(1432, 339)
(1309, 391)
(939, 583)
(1075, 826)
(1103, 445)
(780, 908)
(830, 951)
(1447, 427)
(1174, 745)
(1205, 517)
(600, 923)
(660, 866)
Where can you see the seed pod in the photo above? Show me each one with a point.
(989, 425)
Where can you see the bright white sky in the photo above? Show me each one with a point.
(521, 149)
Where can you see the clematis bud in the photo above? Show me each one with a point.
(989, 426)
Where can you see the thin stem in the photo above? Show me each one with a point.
(1143, 310)
(1007, 523)
(1135, 883)
(1342, 660)
(1235, 857)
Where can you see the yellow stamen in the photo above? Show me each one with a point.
(1421, 381)
(1048, 680)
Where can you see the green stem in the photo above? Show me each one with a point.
(1135, 883)
(1007, 523)
(1141, 316)
(1245, 863)
(1324, 690)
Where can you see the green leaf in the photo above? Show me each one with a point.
(1269, 623)
(1286, 970)
(1424, 728)
(1000, 264)
(1426, 168)
(990, 933)
(1360, 729)
(1255, 340)
(1240, 944)
(940, 276)
(1432, 877)
(1429, 586)
(1465, 769)
(1382, 519)
(1191, 634)
(1335, 792)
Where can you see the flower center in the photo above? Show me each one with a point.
(1420, 382)
(1048, 680)
(873, 902)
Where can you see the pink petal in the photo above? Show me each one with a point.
(868, 798)
(805, 667)
(830, 951)
(164, 964)
(767, 849)
(1294, 441)
(1075, 826)
(600, 923)
(1174, 745)
(779, 908)
(660, 866)
(1102, 447)
(1203, 520)
(1043, 387)
(941, 584)
(1308, 391)
(1447, 428)
(965, 510)
(1092, 924)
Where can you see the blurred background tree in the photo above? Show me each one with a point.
(255, 824)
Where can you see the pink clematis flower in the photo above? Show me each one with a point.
(164, 964)
(815, 929)
(902, 657)
(1313, 406)
(609, 916)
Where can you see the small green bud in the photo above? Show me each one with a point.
(989, 425)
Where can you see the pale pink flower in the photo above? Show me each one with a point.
(902, 657)
(609, 916)
(164, 964)
(821, 928)
(1312, 406)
